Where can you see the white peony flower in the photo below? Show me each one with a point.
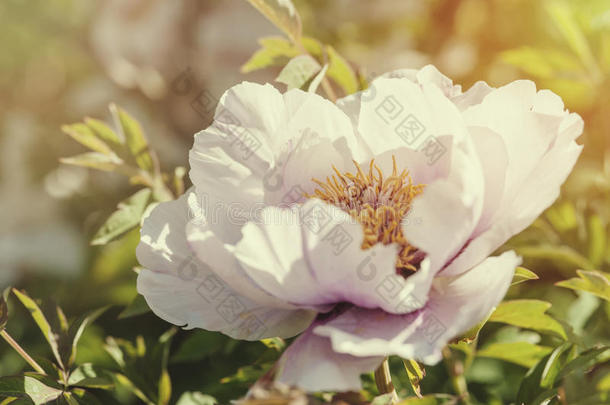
(367, 226)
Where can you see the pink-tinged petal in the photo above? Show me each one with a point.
(473, 96)
(493, 156)
(311, 255)
(315, 144)
(183, 290)
(455, 305)
(448, 210)
(528, 198)
(396, 113)
(311, 364)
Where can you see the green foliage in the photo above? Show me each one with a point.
(298, 71)
(595, 282)
(125, 218)
(528, 314)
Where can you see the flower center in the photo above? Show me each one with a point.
(378, 203)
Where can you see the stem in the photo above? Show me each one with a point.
(22, 352)
(455, 368)
(383, 379)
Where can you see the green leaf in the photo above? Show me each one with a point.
(282, 14)
(541, 377)
(298, 71)
(22, 399)
(196, 398)
(75, 333)
(104, 132)
(135, 140)
(38, 388)
(126, 382)
(84, 135)
(4, 308)
(127, 216)
(522, 353)
(594, 282)
(90, 376)
(274, 51)
(165, 388)
(529, 314)
(586, 360)
(94, 160)
(415, 372)
(137, 307)
(341, 72)
(41, 321)
(434, 399)
(522, 274)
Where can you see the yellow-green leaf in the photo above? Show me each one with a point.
(84, 135)
(341, 72)
(595, 282)
(529, 314)
(274, 51)
(134, 137)
(522, 274)
(522, 353)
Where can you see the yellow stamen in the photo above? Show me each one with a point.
(378, 203)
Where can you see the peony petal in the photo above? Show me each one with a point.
(455, 305)
(311, 364)
(311, 255)
(527, 195)
(181, 289)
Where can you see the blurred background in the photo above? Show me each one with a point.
(63, 60)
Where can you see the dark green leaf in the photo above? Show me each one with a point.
(39, 389)
(127, 216)
(541, 377)
(586, 360)
(137, 307)
(90, 376)
(75, 333)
